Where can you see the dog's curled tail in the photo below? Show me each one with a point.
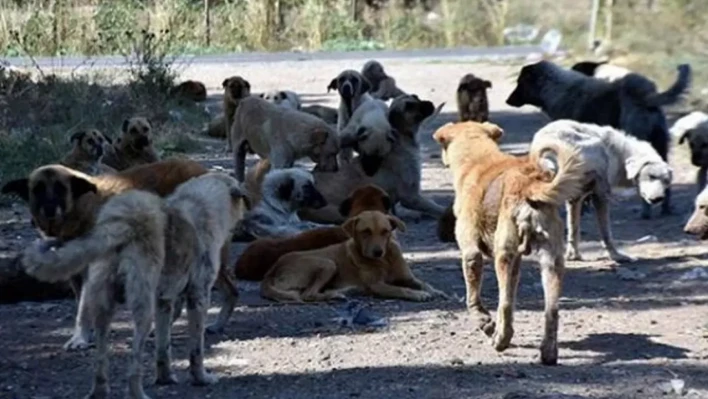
(674, 93)
(126, 218)
(569, 169)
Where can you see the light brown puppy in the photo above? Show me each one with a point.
(697, 225)
(191, 90)
(64, 204)
(370, 260)
(88, 147)
(133, 147)
(472, 103)
(383, 87)
(507, 206)
(327, 114)
(236, 89)
(282, 135)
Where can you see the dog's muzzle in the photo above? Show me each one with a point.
(347, 90)
(142, 142)
(515, 99)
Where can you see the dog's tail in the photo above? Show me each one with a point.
(674, 93)
(126, 218)
(254, 181)
(566, 165)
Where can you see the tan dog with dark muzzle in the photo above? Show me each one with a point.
(133, 147)
(87, 151)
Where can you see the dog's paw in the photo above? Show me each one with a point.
(571, 254)
(502, 339)
(422, 296)
(487, 326)
(205, 378)
(38, 261)
(549, 353)
(77, 342)
(620, 257)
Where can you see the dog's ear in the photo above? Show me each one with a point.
(426, 108)
(285, 190)
(349, 226)
(686, 135)
(397, 223)
(77, 136)
(81, 186)
(493, 131)
(19, 187)
(346, 206)
(487, 84)
(332, 85)
(124, 127)
(225, 83)
(237, 193)
(365, 85)
(283, 95)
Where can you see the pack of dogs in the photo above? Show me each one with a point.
(122, 225)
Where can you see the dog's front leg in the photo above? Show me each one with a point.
(240, 161)
(552, 270)
(81, 337)
(472, 270)
(419, 203)
(163, 329)
(386, 290)
(701, 178)
(602, 211)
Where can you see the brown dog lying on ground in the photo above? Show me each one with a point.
(370, 260)
(191, 90)
(505, 207)
(472, 103)
(262, 254)
(133, 147)
(87, 152)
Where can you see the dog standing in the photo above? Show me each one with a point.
(398, 173)
(353, 89)
(383, 87)
(133, 147)
(370, 134)
(506, 206)
(694, 128)
(261, 255)
(614, 159)
(370, 260)
(282, 136)
(87, 152)
(472, 103)
(236, 89)
(151, 253)
(631, 104)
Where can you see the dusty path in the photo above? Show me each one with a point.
(622, 334)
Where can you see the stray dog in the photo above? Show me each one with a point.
(383, 87)
(370, 134)
(353, 90)
(601, 70)
(191, 90)
(64, 206)
(327, 114)
(370, 260)
(262, 254)
(631, 104)
(694, 128)
(506, 206)
(614, 159)
(697, 224)
(283, 98)
(87, 151)
(148, 254)
(472, 103)
(398, 173)
(133, 147)
(236, 89)
(282, 135)
(284, 192)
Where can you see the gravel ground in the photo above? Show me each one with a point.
(624, 333)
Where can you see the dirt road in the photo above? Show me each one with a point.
(622, 334)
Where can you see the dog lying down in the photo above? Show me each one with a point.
(150, 252)
(614, 159)
(283, 193)
(507, 206)
(261, 255)
(370, 261)
(697, 224)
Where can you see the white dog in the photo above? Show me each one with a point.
(616, 160)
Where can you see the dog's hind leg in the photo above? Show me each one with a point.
(322, 272)
(507, 266)
(552, 270)
(141, 298)
(602, 211)
(419, 203)
(472, 269)
(198, 300)
(163, 331)
(573, 211)
(102, 306)
(227, 307)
